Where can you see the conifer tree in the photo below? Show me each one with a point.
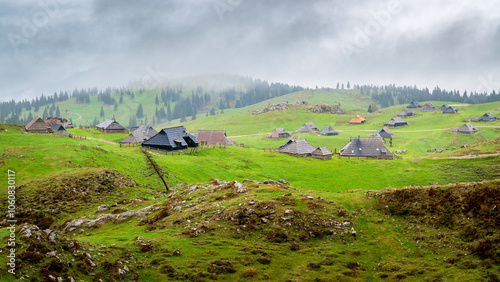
(140, 113)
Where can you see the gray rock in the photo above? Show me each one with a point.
(74, 224)
(102, 208)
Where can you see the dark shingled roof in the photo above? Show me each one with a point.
(328, 131)
(407, 113)
(414, 105)
(110, 124)
(383, 132)
(322, 151)
(449, 110)
(173, 138)
(428, 107)
(396, 122)
(443, 107)
(57, 127)
(487, 117)
(212, 137)
(467, 128)
(366, 147)
(297, 147)
(141, 134)
(308, 127)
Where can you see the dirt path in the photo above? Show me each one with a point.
(469, 156)
(247, 135)
(102, 140)
(79, 115)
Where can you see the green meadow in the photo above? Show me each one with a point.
(202, 229)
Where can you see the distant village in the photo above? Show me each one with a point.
(177, 138)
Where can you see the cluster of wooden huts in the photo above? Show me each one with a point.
(49, 125)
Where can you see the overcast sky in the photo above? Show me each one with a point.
(50, 45)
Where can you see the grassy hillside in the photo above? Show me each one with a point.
(332, 220)
(329, 221)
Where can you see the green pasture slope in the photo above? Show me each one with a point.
(427, 130)
(386, 245)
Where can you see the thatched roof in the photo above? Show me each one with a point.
(357, 120)
(212, 137)
(297, 147)
(328, 131)
(365, 147)
(38, 125)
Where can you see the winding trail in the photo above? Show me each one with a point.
(102, 140)
(78, 114)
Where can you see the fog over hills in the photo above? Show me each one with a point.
(56, 45)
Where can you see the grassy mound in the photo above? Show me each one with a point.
(53, 198)
(465, 216)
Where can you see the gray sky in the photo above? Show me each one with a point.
(52, 45)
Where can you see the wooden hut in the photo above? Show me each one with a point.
(38, 125)
(414, 105)
(487, 117)
(212, 137)
(322, 153)
(357, 120)
(171, 139)
(279, 133)
(396, 122)
(141, 134)
(111, 126)
(467, 129)
(328, 131)
(366, 147)
(61, 121)
(308, 127)
(407, 113)
(383, 132)
(297, 147)
(450, 110)
(443, 107)
(428, 107)
(59, 128)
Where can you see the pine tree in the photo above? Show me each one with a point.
(169, 112)
(30, 116)
(140, 113)
(338, 85)
(58, 113)
(45, 114)
(102, 112)
(115, 108)
(193, 117)
(342, 85)
(157, 102)
(348, 85)
(212, 112)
